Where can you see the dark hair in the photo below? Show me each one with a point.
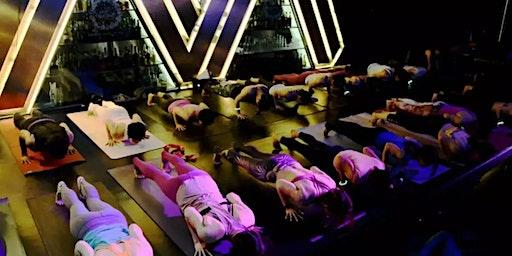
(266, 102)
(427, 155)
(338, 81)
(206, 116)
(480, 151)
(247, 243)
(136, 131)
(57, 144)
(304, 96)
(337, 205)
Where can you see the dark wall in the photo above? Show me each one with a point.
(379, 30)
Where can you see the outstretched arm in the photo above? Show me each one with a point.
(240, 210)
(241, 96)
(393, 149)
(26, 138)
(206, 227)
(111, 133)
(179, 127)
(289, 194)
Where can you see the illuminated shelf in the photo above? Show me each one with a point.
(271, 50)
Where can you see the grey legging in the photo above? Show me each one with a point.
(97, 213)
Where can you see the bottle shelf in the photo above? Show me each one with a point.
(104, 41)
(86, 13)
(271, 50)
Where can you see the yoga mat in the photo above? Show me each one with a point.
(333, 139)
(226, 107)
(165, 213)
(363, 119)
(8, 232)
(420, 174)
(52, 221)
(38, 163)
(97, 132)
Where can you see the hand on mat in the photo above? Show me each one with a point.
(200, 251)
(241, 116)
(25, 160)
(293, 215)
(71, 151)
(111, 143)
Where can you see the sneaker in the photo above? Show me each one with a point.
(58, 194)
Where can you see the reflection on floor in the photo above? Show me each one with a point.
(224, 133)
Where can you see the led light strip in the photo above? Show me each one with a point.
(305, 31)
(17, 41)
(48, 56)
(338, 32)
(236, 41)
(197, 6)
(216, 36)
(197, 26)
(320, 23)
(188, 40)
(176, 19)
(158, 40)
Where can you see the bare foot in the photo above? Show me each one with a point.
(294, 133)
(149, 102)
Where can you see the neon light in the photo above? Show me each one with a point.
(48, 56)
(197, 6)
(188, 40)
(320, 23)
(305, 31)
(338, 32)
(158, 40)
(197, 26)
(236, 41)
(17, 41)
(216, 35)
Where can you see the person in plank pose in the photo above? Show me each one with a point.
(120, 127)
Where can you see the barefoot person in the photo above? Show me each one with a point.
(120, 127)
(210, 217)
(183, 111)
(100, 228)
(43, 134)
(296, 186)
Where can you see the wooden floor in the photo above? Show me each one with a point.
(224, 134)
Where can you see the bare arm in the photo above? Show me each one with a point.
(207, 227)
(241, 212)
(70, 134)
(393, 149)
(26, 138)
(179, 127)
(241, 96)
(289, 195)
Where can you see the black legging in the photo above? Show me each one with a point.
(164, 101)
(22, 122)
(258, 164)
(318, 153)
(361, 135)
(421, 124)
